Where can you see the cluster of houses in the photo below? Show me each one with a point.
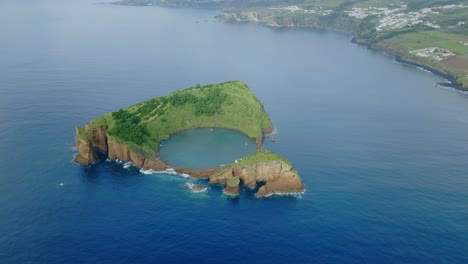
(318, 11)
(392, 17)
(395, 18)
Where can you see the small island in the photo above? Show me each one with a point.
(134, 135)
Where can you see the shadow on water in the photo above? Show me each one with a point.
(108, 169)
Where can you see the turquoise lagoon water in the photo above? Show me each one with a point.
(206, 147)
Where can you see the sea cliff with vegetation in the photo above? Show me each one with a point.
(429, 33)
(135, 133)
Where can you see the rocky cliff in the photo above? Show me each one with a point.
(86, 154)
(278, 178)
(99, 140)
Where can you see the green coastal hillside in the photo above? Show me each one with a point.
(430, 33)
(142, 126)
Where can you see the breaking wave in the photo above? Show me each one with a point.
(128, 164)
(167, 171)
(192, 186)
(297, 195)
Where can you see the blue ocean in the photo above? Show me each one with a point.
(382, 151)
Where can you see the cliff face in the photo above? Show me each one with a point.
(97, 140)
(98, 137)
(279, 178)
(85, 149)
(100, 141)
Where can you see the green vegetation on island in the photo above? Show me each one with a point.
(430, 33)
(133, 134)
(229, 105)
(258, 156)
(234, 181)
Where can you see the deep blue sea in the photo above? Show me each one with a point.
(382, 152)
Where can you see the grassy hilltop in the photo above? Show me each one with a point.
(142, 126)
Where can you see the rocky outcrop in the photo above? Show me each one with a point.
(247, 176)
(231, 190)
(96, 140)
(288, 183)
(85, 149)
(278, 176)
(98, 137)
(222, 178)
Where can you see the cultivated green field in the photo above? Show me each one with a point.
(229, 105)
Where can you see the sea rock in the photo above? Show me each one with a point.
(231, 190)
(85, 149)
(197, 188)
(279, 178)
(288, 183)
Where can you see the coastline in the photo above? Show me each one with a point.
(157, 162)
(397, 57)
(452, 82)
(451, 78)
(263, 166)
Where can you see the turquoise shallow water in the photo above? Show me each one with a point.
(206, 147)
(382, 152)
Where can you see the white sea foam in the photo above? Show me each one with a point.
(443, 87)
(274, 132)
(128, 164)
(295, 194)
(191, 187)
(167, 171)
(421, 68)
(147, 172)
